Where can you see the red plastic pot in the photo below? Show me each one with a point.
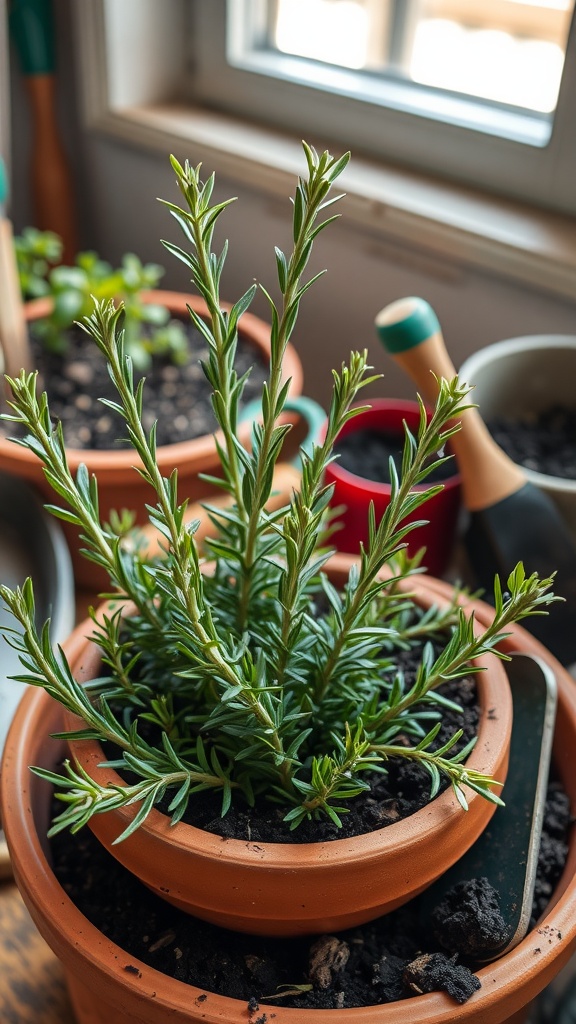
(355, 493)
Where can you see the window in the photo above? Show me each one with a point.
(507, 51)
(474, 90)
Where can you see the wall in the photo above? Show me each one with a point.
(117, 190)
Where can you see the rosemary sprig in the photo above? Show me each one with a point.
(387, 537)
(249, 477)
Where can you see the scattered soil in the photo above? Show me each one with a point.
(177, 396)
(367, 453)
(386, 960)
(468, 919)
(544, 443)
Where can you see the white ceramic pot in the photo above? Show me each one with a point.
(521, 377)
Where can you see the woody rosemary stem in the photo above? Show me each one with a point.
(186, 582)
(198, 223)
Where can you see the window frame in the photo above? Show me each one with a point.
(140, 103)
(398, 124)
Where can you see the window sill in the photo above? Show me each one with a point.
(529, 246)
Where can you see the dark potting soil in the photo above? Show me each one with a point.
(367, 453)
(177, 396)
(397, 956)
(400, 792)
(544, 443)
(403, 790)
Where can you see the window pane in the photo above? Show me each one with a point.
(507, 51)
(336, 31)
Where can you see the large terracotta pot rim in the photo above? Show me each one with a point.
(110, 462)
(507, 984)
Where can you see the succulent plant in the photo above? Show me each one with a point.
(149, 330)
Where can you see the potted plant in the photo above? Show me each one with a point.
(157, 326)
(108, 986)
(265, 677)
(524, 390)
(360, 476)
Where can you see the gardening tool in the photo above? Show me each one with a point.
(31, 27)
(510, 520)
(14, 347)
(507, 851)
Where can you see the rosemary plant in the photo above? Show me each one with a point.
(258, 680)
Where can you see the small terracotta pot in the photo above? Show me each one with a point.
(287, 889)
(103, 992)
(119, 484)
(355, 493)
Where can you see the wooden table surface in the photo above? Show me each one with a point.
(32, 986)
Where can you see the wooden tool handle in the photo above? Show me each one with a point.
(5, 866)
(14, 346)
(409, 330)
(32, 29)
(286, 478)
(52, 186)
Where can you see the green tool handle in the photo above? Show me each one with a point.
(32, 29)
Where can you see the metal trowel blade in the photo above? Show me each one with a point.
(507, 851)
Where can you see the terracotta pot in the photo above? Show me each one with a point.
(120, 485)
(287, 889)
(103, 992)
(353, 493)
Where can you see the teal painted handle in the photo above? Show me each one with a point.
(416, 321)
(32, 28)
(312, 413)
(3, 184)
